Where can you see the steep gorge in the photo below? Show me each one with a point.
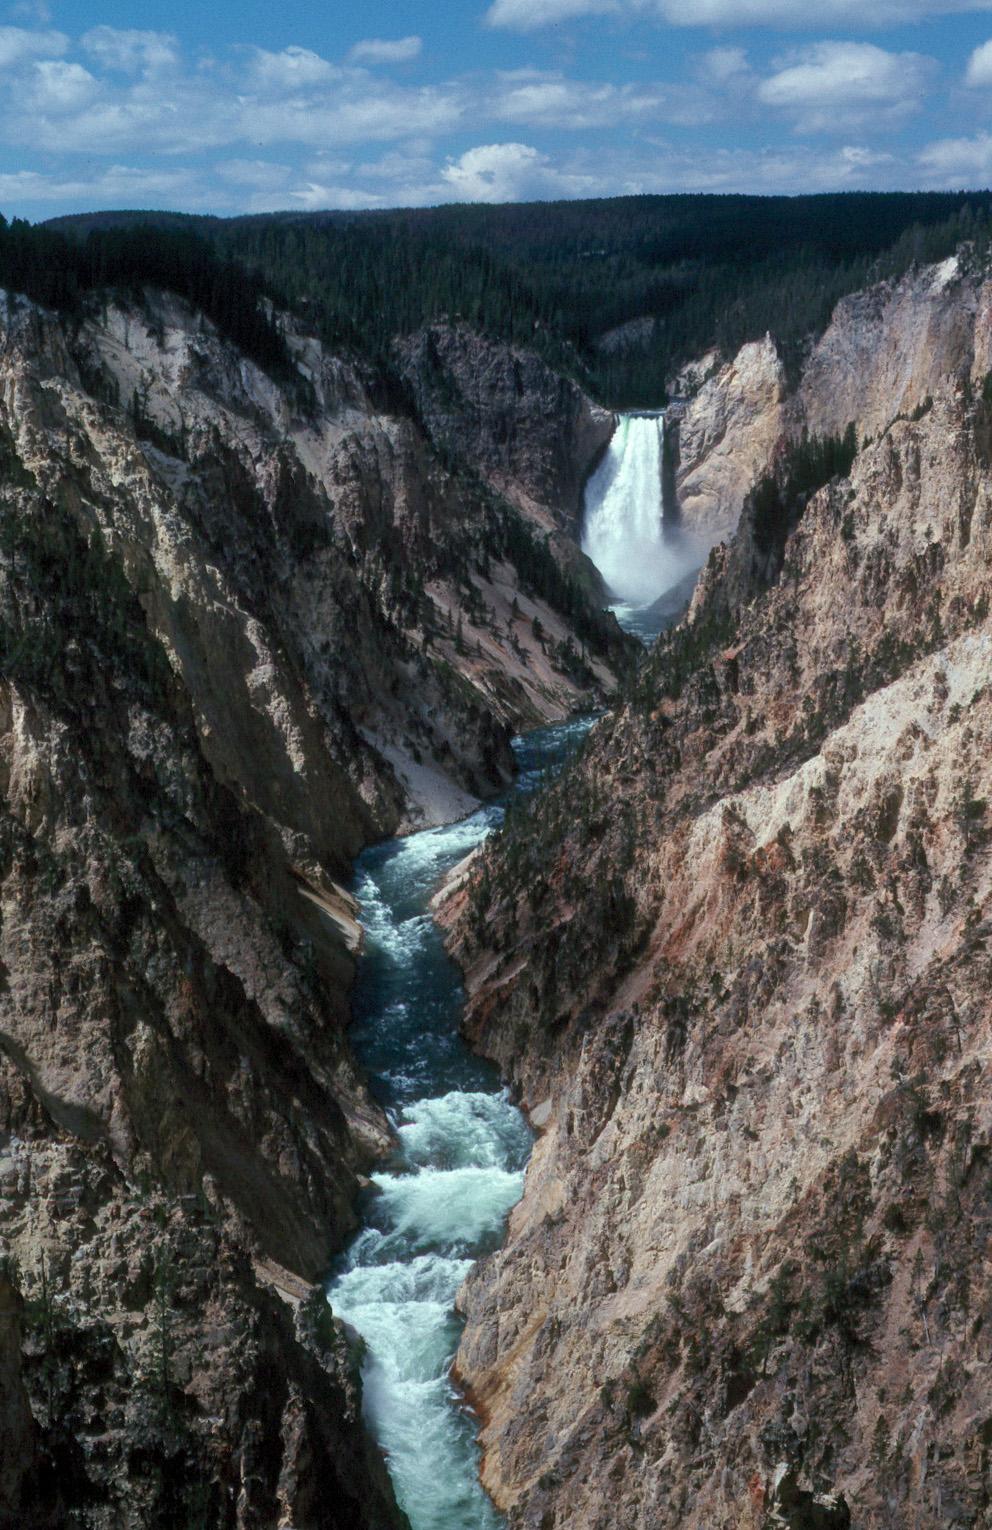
(736, 964)
(245, 628)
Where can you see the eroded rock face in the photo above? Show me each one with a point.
(532, 433)
(738, 966)
(170, 1381)
(728, 435)
(244, 629)
(890, 348)
(886, 352)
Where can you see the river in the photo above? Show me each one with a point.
(458, 1169)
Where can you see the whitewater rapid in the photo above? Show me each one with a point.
(458, 1169)
(624, 527)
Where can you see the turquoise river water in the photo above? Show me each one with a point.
(457, 1171)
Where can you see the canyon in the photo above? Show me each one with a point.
(247, 628)
(732, 962)
(735, 964)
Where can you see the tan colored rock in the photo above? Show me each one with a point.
(728, 436)
(745, 954)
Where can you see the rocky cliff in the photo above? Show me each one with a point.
(532, 433)
(245, 627)
(727, 437)
(885, 352)
(736, 963)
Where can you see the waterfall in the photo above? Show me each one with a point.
(623, 532)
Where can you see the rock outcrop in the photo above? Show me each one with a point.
(736, 963)
(530, 432)
(886, 351)
(245, 628)
(727, 437)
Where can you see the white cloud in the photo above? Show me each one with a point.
(380, 50)
(957, 163)
(517, 172)
(131, 51)
(354, 112)
(353, 137)
(498, 172)
(723, 66)
(980, 66)
(834, 86)
(291, 69)
(552, 101)
(529, 15)
(59, 87)
(18, 44)
(293, 96)
(313, 196)
(118, 184)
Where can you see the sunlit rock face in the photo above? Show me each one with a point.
(739, 971)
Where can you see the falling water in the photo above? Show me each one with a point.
(624, 532)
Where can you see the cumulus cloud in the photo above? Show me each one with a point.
(291, 69)
(834, 86)
(498, 172)
(18, 44)
(486, 173)
(518, 172)
(529, 15)
(131, 51)
(979, 72)
(288, 127)
(955, 163)
(57, 87)
(262, 98)
(552, 101)
(379, 50)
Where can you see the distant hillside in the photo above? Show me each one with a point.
(566, 277)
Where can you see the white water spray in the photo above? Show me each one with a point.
(624, 534)
(458, 1168)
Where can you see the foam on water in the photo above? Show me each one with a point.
(624, 531)
(458, 1170)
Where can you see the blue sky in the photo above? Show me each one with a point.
(250, 107)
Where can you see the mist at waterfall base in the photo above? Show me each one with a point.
(457, 1171)
(624, 533)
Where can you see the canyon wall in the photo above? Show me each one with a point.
(736, 965)
(726, 437)
(245, 628)
(885, 352)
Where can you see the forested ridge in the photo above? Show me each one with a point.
(58, 271)
(564, 277)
